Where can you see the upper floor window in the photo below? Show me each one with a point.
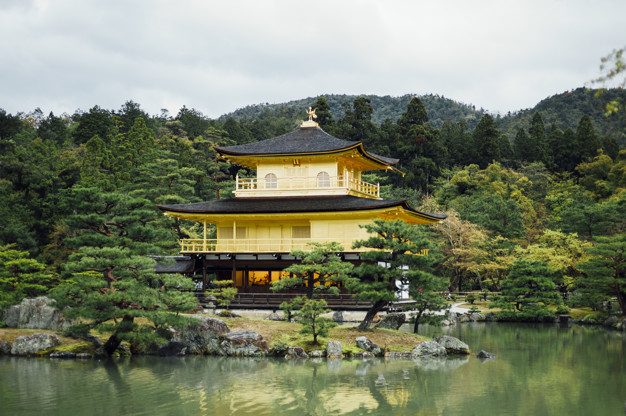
(323, 180)
(271, 181)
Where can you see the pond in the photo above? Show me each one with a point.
(539, 370)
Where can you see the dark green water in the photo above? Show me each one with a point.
(540, 370)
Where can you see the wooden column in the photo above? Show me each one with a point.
(204, 237)
(204, 282)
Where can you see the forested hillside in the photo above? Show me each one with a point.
(439, 109)
(563, 110)
(76, 190)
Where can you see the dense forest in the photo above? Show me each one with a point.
(538, 192)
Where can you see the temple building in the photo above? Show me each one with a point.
(308, 187)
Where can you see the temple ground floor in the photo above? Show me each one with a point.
(252, 275)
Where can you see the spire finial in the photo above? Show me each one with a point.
(310, 122)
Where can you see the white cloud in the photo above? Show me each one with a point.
(217, 56)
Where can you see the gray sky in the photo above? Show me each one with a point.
(217, 56)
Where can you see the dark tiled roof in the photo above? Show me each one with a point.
(289, 204)
(304, 140)
(174, 264)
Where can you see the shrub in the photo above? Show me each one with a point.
(288, 308)
(79, 331)
(471, 298)
(311, 321)
(224, 293)
(562, 310)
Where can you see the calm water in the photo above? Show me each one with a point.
(540, 370)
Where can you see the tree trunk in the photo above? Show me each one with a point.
(114, 341)
(310, 284)
(621, 300)
(417, 321)
(371, 313)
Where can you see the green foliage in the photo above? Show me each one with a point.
(311, 321)
(79, 331)
(527, 291)
(21, 277)
(396, 257)
(288, 308)
(320, 269)
(471, 298)
(605, 272)
(224, 292)
(562, 310)
(113, 276)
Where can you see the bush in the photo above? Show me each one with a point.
(562, 310)
(224, 293)
(288, 308)
(311, 321)
(78, 331)
(471, 298)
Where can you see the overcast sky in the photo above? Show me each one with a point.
(217, 56)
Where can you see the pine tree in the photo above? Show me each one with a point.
(486, 139)
(397, 255)
(605, 273)
(527, 291)
(320, 269)
(113, 278)
(587, 141)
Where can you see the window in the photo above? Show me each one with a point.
(271, 181)
(301, 231)
(226, 233)
(323, 180)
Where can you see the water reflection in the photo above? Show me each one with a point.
(539, 371)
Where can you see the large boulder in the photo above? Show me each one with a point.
(244, 344)
(334, 349)
(171, 349)
(5, 348)
(484, 355)
(452, 345)
(392, 321)
(365, 344)
(35, 313)
(429, 349)
(296, 353)
(32, 344)
(338, 317)
(202, 336)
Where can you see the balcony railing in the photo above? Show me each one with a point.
(251, 245)
(329, 184)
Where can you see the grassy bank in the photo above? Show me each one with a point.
(278, 334)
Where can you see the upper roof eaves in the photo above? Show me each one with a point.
(305, 140)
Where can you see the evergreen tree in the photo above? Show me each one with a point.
(21, 277)
(113, 277)
(522, 146)
(605, 273)
(396, 257)
(310, 319)
(320, 269)
(324, 116)
(527, 291)
(537, 138)
(96, 122)
(587, 141)
(486, 138)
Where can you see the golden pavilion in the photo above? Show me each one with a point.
(308, 188)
